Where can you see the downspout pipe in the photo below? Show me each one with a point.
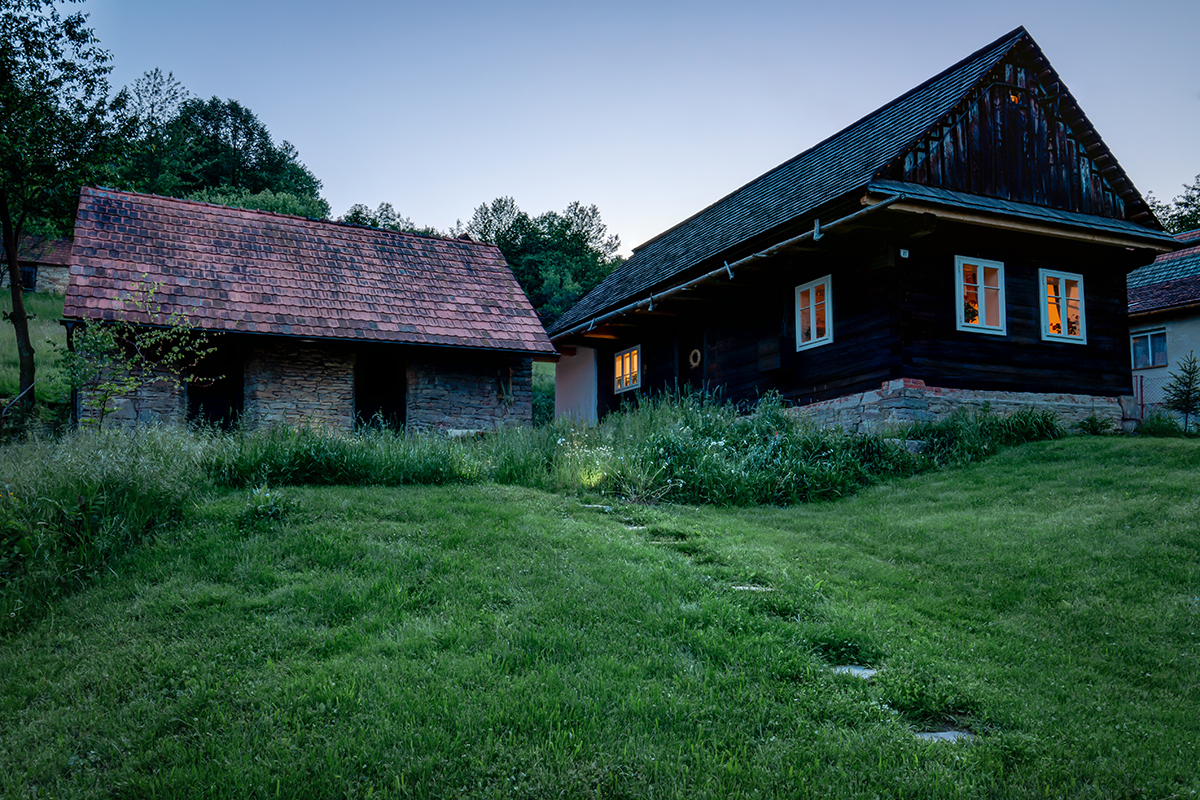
(818, 232)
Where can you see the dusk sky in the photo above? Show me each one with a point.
(650, 110)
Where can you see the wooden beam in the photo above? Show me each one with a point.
(1029, 226)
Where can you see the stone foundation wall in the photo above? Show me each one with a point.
(910, 400)
(299, 384)
(50, 279)
(461, 391)
(162, 401)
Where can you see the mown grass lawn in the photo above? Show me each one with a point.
(488, 641)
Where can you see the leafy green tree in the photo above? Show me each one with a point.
(385, 218)
(58, 130)
(224, 144)
(212, 150)
(266, 200)
(151, 162)
(556, 257)
(114, 361)
(1183, 390)
(1182, 213)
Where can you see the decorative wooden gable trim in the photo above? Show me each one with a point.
(1019, 135)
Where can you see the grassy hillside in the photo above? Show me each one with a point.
(487, 641)
(49, 340)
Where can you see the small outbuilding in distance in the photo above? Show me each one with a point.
(313, 322)
(966, 243)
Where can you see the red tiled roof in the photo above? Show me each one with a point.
(1171, 281)
(39, 250)
(231, 269)
(1165, 295)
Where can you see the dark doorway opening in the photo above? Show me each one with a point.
(379, 387)
(216, 390)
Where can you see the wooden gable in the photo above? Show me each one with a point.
(1018, 135)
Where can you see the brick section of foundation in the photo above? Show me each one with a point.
(299, 384)
(463, 391)
(910, 400)
(162, 401)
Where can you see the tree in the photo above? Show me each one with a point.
(58, 130)
(225, 145)
(556, 257)
(113, 361)
(1181, 214)
(1183, 390)
(384, 218)
(266, 200)
(212, 150)
(151, 163)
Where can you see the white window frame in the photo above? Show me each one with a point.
(999, 329)
(623, 382)
(1044, 302)
(1149, 348)
(815, 341)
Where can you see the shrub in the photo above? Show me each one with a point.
(1159, 423)
(1092, 425)
(265, 506)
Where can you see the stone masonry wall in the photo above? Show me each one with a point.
(51, 278)
(458, 391)
(910, 400)
(294, 383)
(162, 401)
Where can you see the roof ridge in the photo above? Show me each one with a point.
(1013, 35)
(242, 210)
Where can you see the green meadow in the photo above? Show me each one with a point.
(493, 639)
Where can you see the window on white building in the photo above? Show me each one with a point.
(1149, 349)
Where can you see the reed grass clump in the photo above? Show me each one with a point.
(73, 503)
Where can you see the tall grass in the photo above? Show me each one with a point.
(70, 504)
(49, 342)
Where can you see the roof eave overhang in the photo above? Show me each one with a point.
(547, 353)
(646, 300)
(1156, 242)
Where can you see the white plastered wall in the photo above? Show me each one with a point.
(575, 387)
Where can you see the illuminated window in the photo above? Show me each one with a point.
(1062, 306)
(1149, 349)
(979, 287)
(628, 369)
(814, 322)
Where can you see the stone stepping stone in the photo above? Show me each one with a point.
(945, 736)
(866, 673)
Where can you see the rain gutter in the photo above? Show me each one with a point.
(818, 232)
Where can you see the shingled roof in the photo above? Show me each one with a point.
(844, 163)
(42, 250)
(1171, 281)
(236, 270)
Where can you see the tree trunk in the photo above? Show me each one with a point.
(19, 318)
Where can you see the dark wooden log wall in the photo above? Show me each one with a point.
(1008, 141)
(936, 352)
(893, 317)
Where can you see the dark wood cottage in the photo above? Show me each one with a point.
(966, 243)
(313, 322)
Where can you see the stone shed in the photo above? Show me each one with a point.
(312, 322)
